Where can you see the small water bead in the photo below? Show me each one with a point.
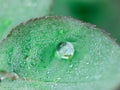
(65, 50)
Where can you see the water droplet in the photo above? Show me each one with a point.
(65, 50)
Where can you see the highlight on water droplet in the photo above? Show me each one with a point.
(65, 50)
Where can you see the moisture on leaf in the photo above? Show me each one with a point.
(36, 51)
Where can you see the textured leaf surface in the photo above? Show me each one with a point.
(13, 12)
(30, 52)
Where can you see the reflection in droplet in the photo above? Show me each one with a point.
(65, 50)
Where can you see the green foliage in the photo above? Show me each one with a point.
(30, 51)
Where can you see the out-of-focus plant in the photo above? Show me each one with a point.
(13, 12)
(103, 13)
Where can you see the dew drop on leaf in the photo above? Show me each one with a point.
(65, 50)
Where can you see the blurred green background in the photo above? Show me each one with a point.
(105, 14)
(14, 12)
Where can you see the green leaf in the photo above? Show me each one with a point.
(13, 12)
(31, 51)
